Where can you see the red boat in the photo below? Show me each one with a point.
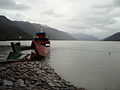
(41, 44)
(39, 48)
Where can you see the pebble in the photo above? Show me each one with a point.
(20, 82)
(2, 68)
(7, 83)
(51, 84)
(33, 75)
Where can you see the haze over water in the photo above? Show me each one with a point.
(90, 64)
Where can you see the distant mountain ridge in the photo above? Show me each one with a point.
(9, 30)
(114, 37)
(84, 37)
(32, 28)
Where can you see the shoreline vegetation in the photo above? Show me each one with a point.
(32, 75)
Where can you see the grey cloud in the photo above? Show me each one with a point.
(95, 20)
(100, 21)
(11, 4)
(78, 27)
(104, 15)
(96, 24)
(117, 2)
(51, 13)
(110, 6)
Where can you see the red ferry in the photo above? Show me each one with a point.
(41, 44)
(40, 47)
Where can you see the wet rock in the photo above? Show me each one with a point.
(7, 83)
(2, 68)
(20, 82)
(12, 79)
(27, 82)
(34, 75)
(38, 84)
(25, 75)
(68, 84)
(1, 82)
(51, 84)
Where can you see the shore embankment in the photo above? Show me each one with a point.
(32, 75)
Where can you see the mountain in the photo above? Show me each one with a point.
(54, 33)
(27, 27)
(114, 37)
(84, 37)
(10, 31)
(13, 29)
(32, 28)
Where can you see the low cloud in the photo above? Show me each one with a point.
(117, 2)
(114, 4)
(12, 5)
(51, 13)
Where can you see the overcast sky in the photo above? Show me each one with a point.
(99, 18)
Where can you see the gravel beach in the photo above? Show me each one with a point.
(32, 75)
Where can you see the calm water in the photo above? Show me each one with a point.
(93, 65)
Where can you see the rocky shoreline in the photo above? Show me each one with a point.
(32, 75)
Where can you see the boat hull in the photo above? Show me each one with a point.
(42, 50)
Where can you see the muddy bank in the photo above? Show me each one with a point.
(34, 75)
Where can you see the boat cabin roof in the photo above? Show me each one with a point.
(40, 33)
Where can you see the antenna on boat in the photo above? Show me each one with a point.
(19, 38)
(41, 30)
